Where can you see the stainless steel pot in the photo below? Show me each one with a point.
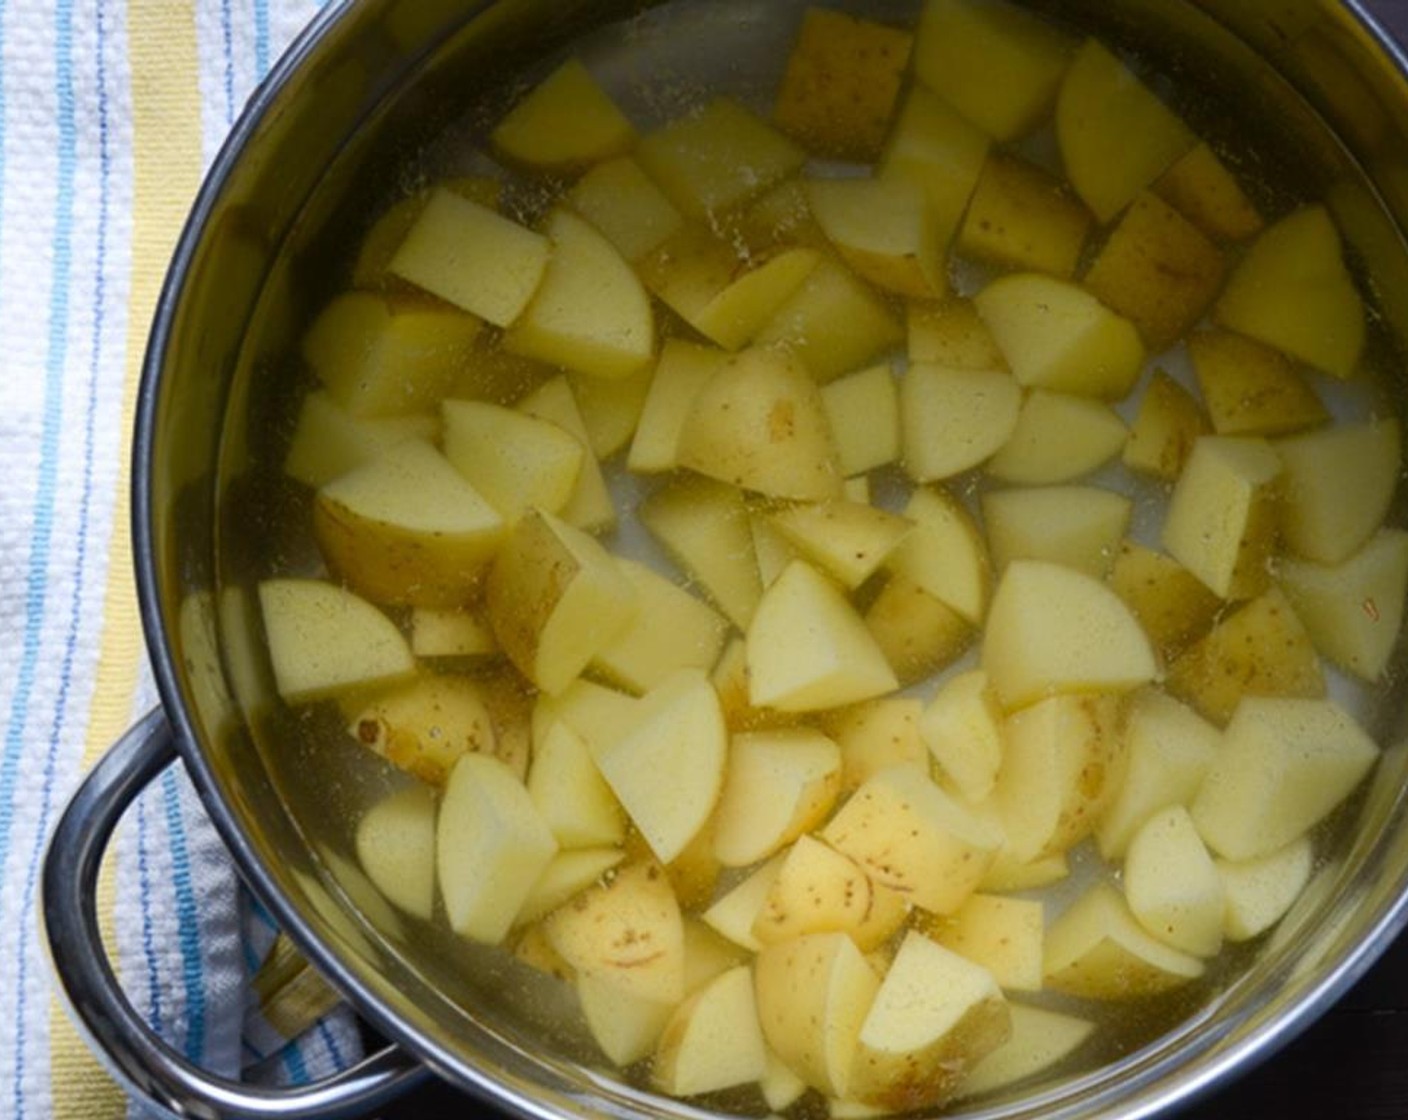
(329, 132)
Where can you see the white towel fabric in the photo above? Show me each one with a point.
(78, 268)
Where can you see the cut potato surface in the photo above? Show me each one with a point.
(567, 121)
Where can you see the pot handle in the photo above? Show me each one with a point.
(142, 1062)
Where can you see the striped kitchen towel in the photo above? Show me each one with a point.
(109, 112)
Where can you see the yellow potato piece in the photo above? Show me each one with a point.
(515, 461)
(395, 845)
(777, 785)
(885, 230)
(713, 1040)
(566, 121)
(629, 210)
(1168, 424)
(1172, 886)
(1023, 217)
(1251, 389)
(1202, 188)
(424, 725)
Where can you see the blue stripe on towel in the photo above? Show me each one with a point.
(144, 891)
(187, 918)
(228, 35)
(37, 586)
(261, 39)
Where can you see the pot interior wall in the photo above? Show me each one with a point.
(399, 88)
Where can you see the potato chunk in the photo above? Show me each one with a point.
(1040, 1039)
(808, 648)
(491, 845)
(1053, 629)
(1157, 270)
(1292, 291)
(778, 785)
(847, 540)
(1055, 335)
(395, 845)
(555, 599)
(1077, 526)
(818, 890)
(1260, 891)
(935, 1016)
(932, 145)
(516, 461)
(424, 725)
(590, 313)
(1251, 389)
(1116, 136)
(472, 257)
(953, 419)
(759, 423)
(1023, 217)
(1284, 765)
(1168, 424)
(716, 158)
(565, 122)
(1172, 886)
(863, 410)
(962, 727)
(407, 528)
(998, 65)
(1202, 188)
(713, 1040)
(629, 210)
(885, 230)
(841, 84)
(1058, 437)
(1221, 521)
(1002, 935)
(945, 554)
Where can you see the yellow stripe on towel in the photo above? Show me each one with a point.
(167, 164)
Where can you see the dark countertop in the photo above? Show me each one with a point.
(1351, 1065)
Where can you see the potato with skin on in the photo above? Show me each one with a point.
(777, 785)
(833, 323)
(813, 994)
(1157, 270)
(424, 725)
(759, 424)
(626, 932)
(472, 257)
(1052, 629)
(1353, 611)
(1251, 389)
(1116, 136)
(555, 598)
(917, 632)
(841, 84)
(383, 356)
(945, 554)
(1002, 935)
(1058, 336)
(407, 529)
(716, 158)
(962, 729)
(1097, 950)
(1057, 437)
(395, 844)
(1221, 522)
(1168, 749)
(1337, 486)
(1200, 186)
(672, 629)
(1023, 217)
(515, 461)
(951, 334)
(491, 845)
(1006, 874)
(1062, 763)
(734, 914)
(566, 876)
(935, 1016)
(1260, 649)
(848, 540)
(704, 527)
(864, 413)
(1293, 292)
(667, 767)
(712, 1041)
(808, 649)
(1259, 891)
(1169, 422)
(565, 122)
(911, 836)
(1285, 764)
(1173, 605)
(590, 313)
(998, 65)
(951, 420)
(933, 147)
(1077, 526)
(875, 734)
(886, 231)
(1040, 1039)
(1172, 886)
(818, 890)
(779, 217)
(629, 210)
